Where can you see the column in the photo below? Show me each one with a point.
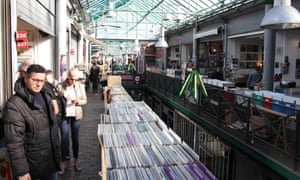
(194, 54)
(87, 52)
(269, 56)
(12, 4)
(61, 25)
(80, 49)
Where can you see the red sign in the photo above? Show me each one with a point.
(21, 36)
(22, 41)
(22, 44)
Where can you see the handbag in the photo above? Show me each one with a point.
(78, 112)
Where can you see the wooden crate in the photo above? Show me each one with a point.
(103, 154)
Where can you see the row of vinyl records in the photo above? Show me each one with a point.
(189, 171)
(130, 112)
(137, 144)
(114, 90)
(123, 128)
(147, 156)
(138, 139)
(120, 97)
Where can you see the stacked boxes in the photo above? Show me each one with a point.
(275, 101)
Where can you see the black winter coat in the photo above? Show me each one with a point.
(31, 134)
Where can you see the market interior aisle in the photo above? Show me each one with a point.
(89, 156)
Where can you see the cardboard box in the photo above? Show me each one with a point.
(113, 80)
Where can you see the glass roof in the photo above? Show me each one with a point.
(143, 19)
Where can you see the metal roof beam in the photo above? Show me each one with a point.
(157, 5)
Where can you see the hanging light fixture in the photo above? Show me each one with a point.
(111, 13)
(281, 16)
(136, 48)
(167, 17)
(161, 43)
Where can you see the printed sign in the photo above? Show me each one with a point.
(21, 36)
(22, 41)
(22, 44)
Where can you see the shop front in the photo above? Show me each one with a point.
(210, 49)
(246, 54)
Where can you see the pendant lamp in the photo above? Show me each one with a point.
(281, 16)
(161, 43)
(111, 13)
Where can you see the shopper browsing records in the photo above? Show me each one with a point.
(54, 89)
(31, 130)
(94, 76)
(254, 78)
(75, 94)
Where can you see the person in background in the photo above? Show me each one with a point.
(31, 129)
(22, 69)
(21, 74)
(217, 74)
(94, 76)
(190, 66)
(254, 78)
(51, 85)
(131, 67)
(75, 95)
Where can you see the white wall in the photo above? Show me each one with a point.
(38, 14)
(45, 52)
(287, 45)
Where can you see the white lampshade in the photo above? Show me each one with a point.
(136, 47)
(111, 13)
(162, 43)
(281, 16)
(167, 17)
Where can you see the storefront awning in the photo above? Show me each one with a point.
(94, 40)
(254, 33)
(210, 32)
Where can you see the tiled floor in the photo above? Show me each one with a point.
(89, 156)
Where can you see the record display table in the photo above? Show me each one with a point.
(136, 144)
(114, 94)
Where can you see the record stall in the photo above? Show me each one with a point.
(136, 144)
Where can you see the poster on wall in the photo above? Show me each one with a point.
(24, 43)
(62, 67)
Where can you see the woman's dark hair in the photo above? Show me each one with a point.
(35, 68)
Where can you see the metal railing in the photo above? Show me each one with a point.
(274, 134)
(212, 151)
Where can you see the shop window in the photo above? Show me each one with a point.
(250, 55)
(210, 56)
